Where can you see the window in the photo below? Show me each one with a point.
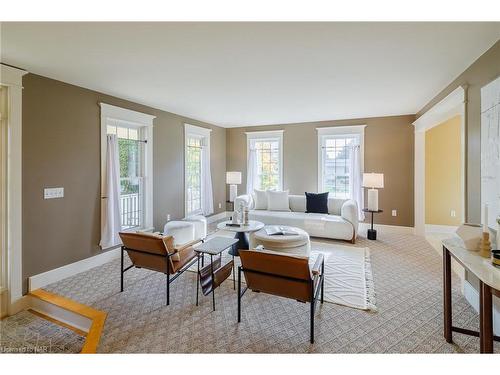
(131, 156)
(265, 160)
(193, 174)
(197, 175)
(336, 160)
(135, 135)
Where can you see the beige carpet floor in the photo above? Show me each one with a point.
(26, 332)
(407, 277)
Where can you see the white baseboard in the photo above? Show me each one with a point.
(383, 228)
(217, 217)
(49, 277)
(472, 296)
(433, 228)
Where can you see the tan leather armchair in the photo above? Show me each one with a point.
(157, 253)
(283, 275)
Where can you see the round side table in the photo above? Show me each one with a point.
(372, 233)
(241, 234)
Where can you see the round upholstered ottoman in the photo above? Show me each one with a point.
(292, 244)
(182, 231)
(200, 226)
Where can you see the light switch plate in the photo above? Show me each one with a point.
(394, 213)
(51, 193)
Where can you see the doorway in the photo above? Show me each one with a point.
(444, 195)
(440, 174)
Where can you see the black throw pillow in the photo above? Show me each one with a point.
(317, 203)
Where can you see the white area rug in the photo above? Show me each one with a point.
(348, 273)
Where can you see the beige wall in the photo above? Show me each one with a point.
(388, 149)
(61, 148)
(481, 72)
(443, 173)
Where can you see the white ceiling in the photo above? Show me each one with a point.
(235, 74)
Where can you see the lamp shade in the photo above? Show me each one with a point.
(233, 178)
(373, 180)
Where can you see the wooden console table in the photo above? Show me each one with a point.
(489, 285)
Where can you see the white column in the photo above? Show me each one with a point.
(419, 183)
(12, 78)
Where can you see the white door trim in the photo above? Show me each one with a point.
(13, 79)
(452, 105)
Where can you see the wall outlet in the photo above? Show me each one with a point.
(51, 193)
(394, 213)
(220, 205)
(168, 217)
(453, 213)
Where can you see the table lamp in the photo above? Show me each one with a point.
(373, 181)
(233, 179)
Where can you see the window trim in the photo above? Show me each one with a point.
(268, 135)
(144, 123)
(340, 132)
(204, 134)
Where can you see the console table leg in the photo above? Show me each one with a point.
(485, 319)
(447, 295)
(197, 280)
(234, 275)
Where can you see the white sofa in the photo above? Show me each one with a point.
(340, 223)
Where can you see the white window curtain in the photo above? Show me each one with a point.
(356, 190)
(207, 197)
(111, 225)
(251, 170)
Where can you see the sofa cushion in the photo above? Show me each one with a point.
(335, 205)
(277, 200)
(297, 203)
(317, 225)
(317, 203)
(260, 199)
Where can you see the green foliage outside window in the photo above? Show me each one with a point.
(129, 165)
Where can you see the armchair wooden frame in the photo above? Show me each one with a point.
(171, 274)
(316, 284)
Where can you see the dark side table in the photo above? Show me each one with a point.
(372, 233)
(212, 275)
